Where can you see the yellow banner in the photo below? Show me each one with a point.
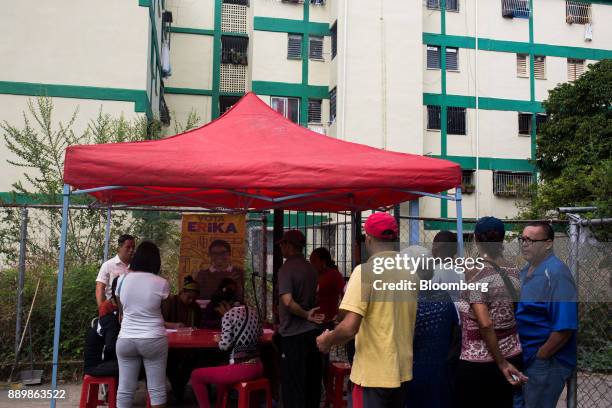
(197, 233)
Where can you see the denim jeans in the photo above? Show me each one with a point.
(546, 381)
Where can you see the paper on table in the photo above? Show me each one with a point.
(171, 330)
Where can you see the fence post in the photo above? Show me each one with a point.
(277, 260)
(355, 239)
(23, 236)
(413, 238)
(574, 232)
(264, 266)
(107, 233)
(459, 203)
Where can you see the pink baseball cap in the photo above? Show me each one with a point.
(381, 225)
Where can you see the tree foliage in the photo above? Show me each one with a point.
(38, 148)
(574, 146)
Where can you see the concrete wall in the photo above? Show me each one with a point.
(383, 87)
(12, 111)
(192, 14)
(550, 26)
(180, 107)
(191, 57)
(270, 62)
(71, 42)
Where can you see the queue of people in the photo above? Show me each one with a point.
(512, 345)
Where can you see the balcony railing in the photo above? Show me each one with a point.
(509, 184)
(577, 12)
(515, 8)
(234, 50)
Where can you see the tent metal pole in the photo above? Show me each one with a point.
(424, 194)
(93, 190)
(459, 203)
(60, 286)
(107, 233)
(413, 237)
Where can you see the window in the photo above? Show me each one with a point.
(294, 46)
(234, 50)
(452, 59)
(226, 102)
(451, 5)
(238, 2)
(433, 57)
(515, 8)
(332, 105)
(578, 12)
(575, 68)
(455, 119)
(539, 67)
(315, 49)
(455, 123)
(314, 111)
(467, 181)
(334, 39)
(288, 107)
(541, 118)
(317, 2)
(293, 1)
(524, 122)
(522, 71)
(433, 117)
(511, 184)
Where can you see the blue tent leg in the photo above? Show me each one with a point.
(107, 233)
(459, 221)
(60, 286)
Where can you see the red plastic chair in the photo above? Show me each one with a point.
(90, 388)
(334, 391)
(244, 393)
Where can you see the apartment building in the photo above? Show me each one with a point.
(456, 79)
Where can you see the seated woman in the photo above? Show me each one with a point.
(179, 311)
(241, 330)
(182, 308)
(100, 359)
(224, 298)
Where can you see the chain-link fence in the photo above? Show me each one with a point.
(588, 258)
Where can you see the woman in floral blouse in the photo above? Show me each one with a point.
(491, 355)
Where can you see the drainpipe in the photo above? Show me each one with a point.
(344, 68)
(477, 127)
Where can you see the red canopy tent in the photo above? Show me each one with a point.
(250, 158)
(254, 158)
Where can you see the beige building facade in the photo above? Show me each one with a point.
(456, 79)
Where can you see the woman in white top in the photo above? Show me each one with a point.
(142, 338)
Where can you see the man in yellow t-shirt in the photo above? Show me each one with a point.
(380, 319)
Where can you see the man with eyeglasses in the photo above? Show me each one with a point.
(547, 318)
(220, 252)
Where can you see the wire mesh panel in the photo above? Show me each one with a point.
(233, 18)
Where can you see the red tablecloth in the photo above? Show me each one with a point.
(203, 338)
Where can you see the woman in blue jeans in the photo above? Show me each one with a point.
(142, 338)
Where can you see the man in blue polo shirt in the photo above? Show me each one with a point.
(547, 317)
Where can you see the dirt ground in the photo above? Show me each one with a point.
(594, 391)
